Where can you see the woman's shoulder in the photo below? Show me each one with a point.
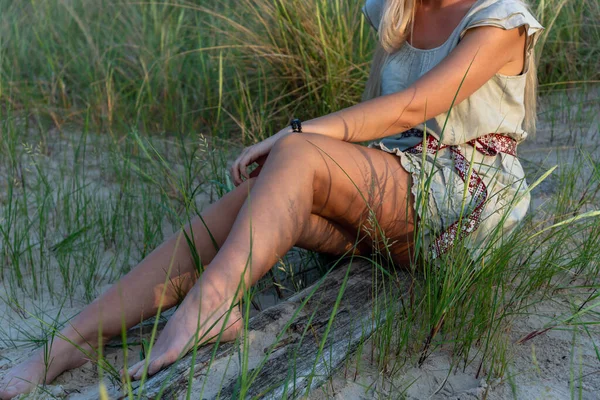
(372, 10)
(505, 14)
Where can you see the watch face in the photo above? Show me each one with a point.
(296, 125)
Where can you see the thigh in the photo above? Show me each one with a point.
(211, 230)
(325, 236)
(363, 189)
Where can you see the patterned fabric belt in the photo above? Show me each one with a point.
(490, 145)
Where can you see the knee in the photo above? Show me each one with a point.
(297, 145)
(299, 151)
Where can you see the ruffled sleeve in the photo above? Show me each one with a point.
(372, 10)
(506, 14)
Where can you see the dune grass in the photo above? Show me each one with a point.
(233, 68)
(175, 87)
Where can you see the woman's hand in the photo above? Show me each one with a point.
(256, 153)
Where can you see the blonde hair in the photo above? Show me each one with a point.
(396, 23)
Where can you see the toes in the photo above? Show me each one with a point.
(8, 392)
(132, 371)
(124, 372)
(157, 365)
(139, 372)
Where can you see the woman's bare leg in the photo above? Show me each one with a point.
(138, 294)
(319, 231)
(133, 298)
(351, 185)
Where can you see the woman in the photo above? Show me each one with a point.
(463, 66)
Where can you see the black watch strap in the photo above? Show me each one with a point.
(296, 125)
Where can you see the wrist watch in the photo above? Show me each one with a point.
(296, 125)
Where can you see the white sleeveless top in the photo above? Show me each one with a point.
(496, 107)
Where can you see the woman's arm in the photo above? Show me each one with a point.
(482, 53)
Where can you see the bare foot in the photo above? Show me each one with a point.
(183, 332)
(25, 376)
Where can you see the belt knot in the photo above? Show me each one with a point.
(490, 145)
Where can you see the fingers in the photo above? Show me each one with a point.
(235, 170)
(237, 167)
(243, 166)
(240, 167)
